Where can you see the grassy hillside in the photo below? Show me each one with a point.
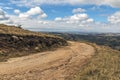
(15, 42)
(105, 65)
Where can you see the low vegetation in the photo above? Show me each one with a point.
(105, 65)
(15, 42)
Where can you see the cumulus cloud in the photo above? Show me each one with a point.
(58, 19)
(31, 3)
(28, 23)
(78, 10)
(16, 11)
(44, 15)
(81, 18)
(43, 22)
(36, 11)
(89, 20)
(114, 18)
(4, 19)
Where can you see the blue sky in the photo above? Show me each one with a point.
(62, 15)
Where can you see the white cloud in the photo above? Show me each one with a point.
(44, 15)
(89, 20)
(58, 19)
(78, 10)
(43, 22)
(31, 3)
(4, 19)
(114, 18)
(16, 11)
(79, 19)
(28, 23)
(36, 11)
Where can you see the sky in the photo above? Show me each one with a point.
(62, 15)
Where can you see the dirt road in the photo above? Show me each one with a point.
(60, 64)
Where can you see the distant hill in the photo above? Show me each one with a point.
(15, 41)
(108, 39)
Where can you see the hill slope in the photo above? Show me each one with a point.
(105, 65)
(16, 42)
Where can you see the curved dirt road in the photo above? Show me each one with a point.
(60, 64)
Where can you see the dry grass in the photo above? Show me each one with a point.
(105, 65)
